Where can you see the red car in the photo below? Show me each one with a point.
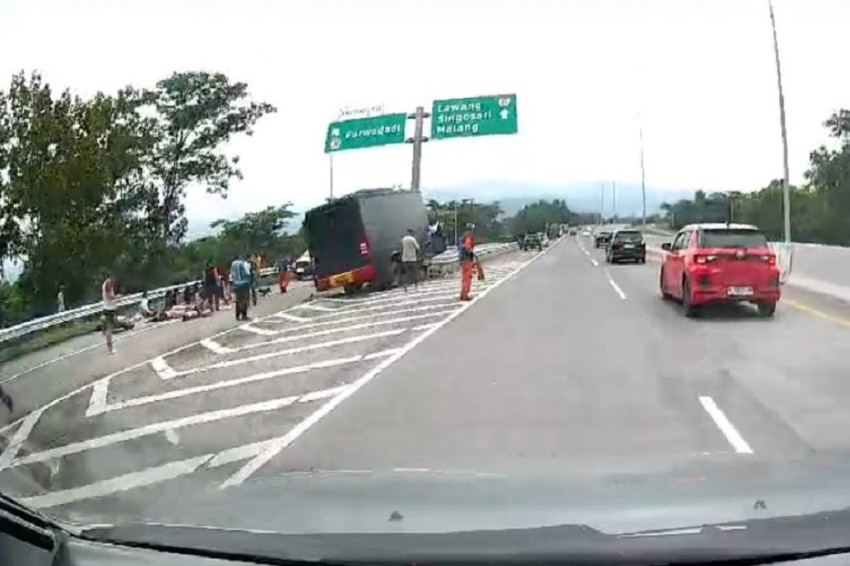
(720, 263)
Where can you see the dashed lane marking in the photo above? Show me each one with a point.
(725, 425)
(215, 347)
(616, 287)
(261, 331)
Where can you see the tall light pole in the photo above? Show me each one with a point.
(614, 199)
(642, 174)
(786, 190)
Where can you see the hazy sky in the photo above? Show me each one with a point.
(699, 72)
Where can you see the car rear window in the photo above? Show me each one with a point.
(630, 236)
(732, 238)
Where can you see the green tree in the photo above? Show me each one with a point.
(196, 114)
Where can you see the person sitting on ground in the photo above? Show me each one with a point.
(144, 306)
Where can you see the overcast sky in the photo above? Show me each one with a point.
(699, 72)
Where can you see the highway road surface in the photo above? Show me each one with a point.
(561, 363)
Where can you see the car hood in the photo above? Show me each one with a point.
(698, 492)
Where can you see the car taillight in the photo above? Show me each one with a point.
(702, 259)
(364, 248)
(769, 258)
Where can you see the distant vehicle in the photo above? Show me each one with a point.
(352, 239)
(304, 266)
(585, 233)
(573, 232)
(720, 263)
(602, 239)
(626, 244)
(532, 241)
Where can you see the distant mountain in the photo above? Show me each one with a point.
(580, 197)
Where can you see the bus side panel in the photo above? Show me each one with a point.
(387, 219)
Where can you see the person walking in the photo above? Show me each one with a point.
(409, 253)
(110, 305)
(211, 286)
(60, 299)
(284, 274)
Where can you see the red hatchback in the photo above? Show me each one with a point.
(720, 263)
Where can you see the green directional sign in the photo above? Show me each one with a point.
(365, 132)
(478, 116)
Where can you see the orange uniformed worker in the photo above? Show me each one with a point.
(466, 256)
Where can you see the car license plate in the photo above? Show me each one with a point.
(629, 246)
(740, 291)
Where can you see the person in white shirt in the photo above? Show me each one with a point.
(60, 299)
(409, 254)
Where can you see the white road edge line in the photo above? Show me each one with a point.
(274, 448)
(616, 287)
(725, 425)
(594, 262)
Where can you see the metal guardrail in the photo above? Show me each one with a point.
(127, 301)
(87, 311)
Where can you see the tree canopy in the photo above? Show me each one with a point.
(100, 183)
(820, 207)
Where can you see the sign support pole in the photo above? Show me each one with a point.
(417, 140)
(331, 162)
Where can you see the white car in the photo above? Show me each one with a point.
(586, 233)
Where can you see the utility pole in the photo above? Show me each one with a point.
(417, 140)
(642, 176)
(331, 161)
(786, 190)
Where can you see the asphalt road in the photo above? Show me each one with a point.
(561, 363)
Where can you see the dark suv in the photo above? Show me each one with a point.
(628, 245)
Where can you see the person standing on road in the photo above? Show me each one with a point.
(409, 253)
(284, 274)
(60, 299)
(240, 277)
(110, 304)
(466, 255)
(211, 286)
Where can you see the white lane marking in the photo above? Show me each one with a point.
(594, 262)
(171, 436)
(174, 394)
(97, 401)
(312, 307)
(101, 385)
(162, 369)
(215, 347)
(118, 338)
(18, 439)
(156, 428)
(616, 287)
(725, 425)
(280, 444)
(261, 331)
(290, 351)
(292, 317)
(170, 471)
(294, 337)
(447, 297)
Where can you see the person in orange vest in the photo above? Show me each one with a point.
(284, 274)
(466, 255)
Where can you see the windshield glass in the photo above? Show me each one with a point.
(352, 264)
(733, 239)
(630, 237)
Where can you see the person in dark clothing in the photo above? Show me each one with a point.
(6, 400)
(211, 286)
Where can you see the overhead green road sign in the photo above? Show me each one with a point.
(478, 116)
(365, 132)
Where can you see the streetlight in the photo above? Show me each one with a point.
(786, 191)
